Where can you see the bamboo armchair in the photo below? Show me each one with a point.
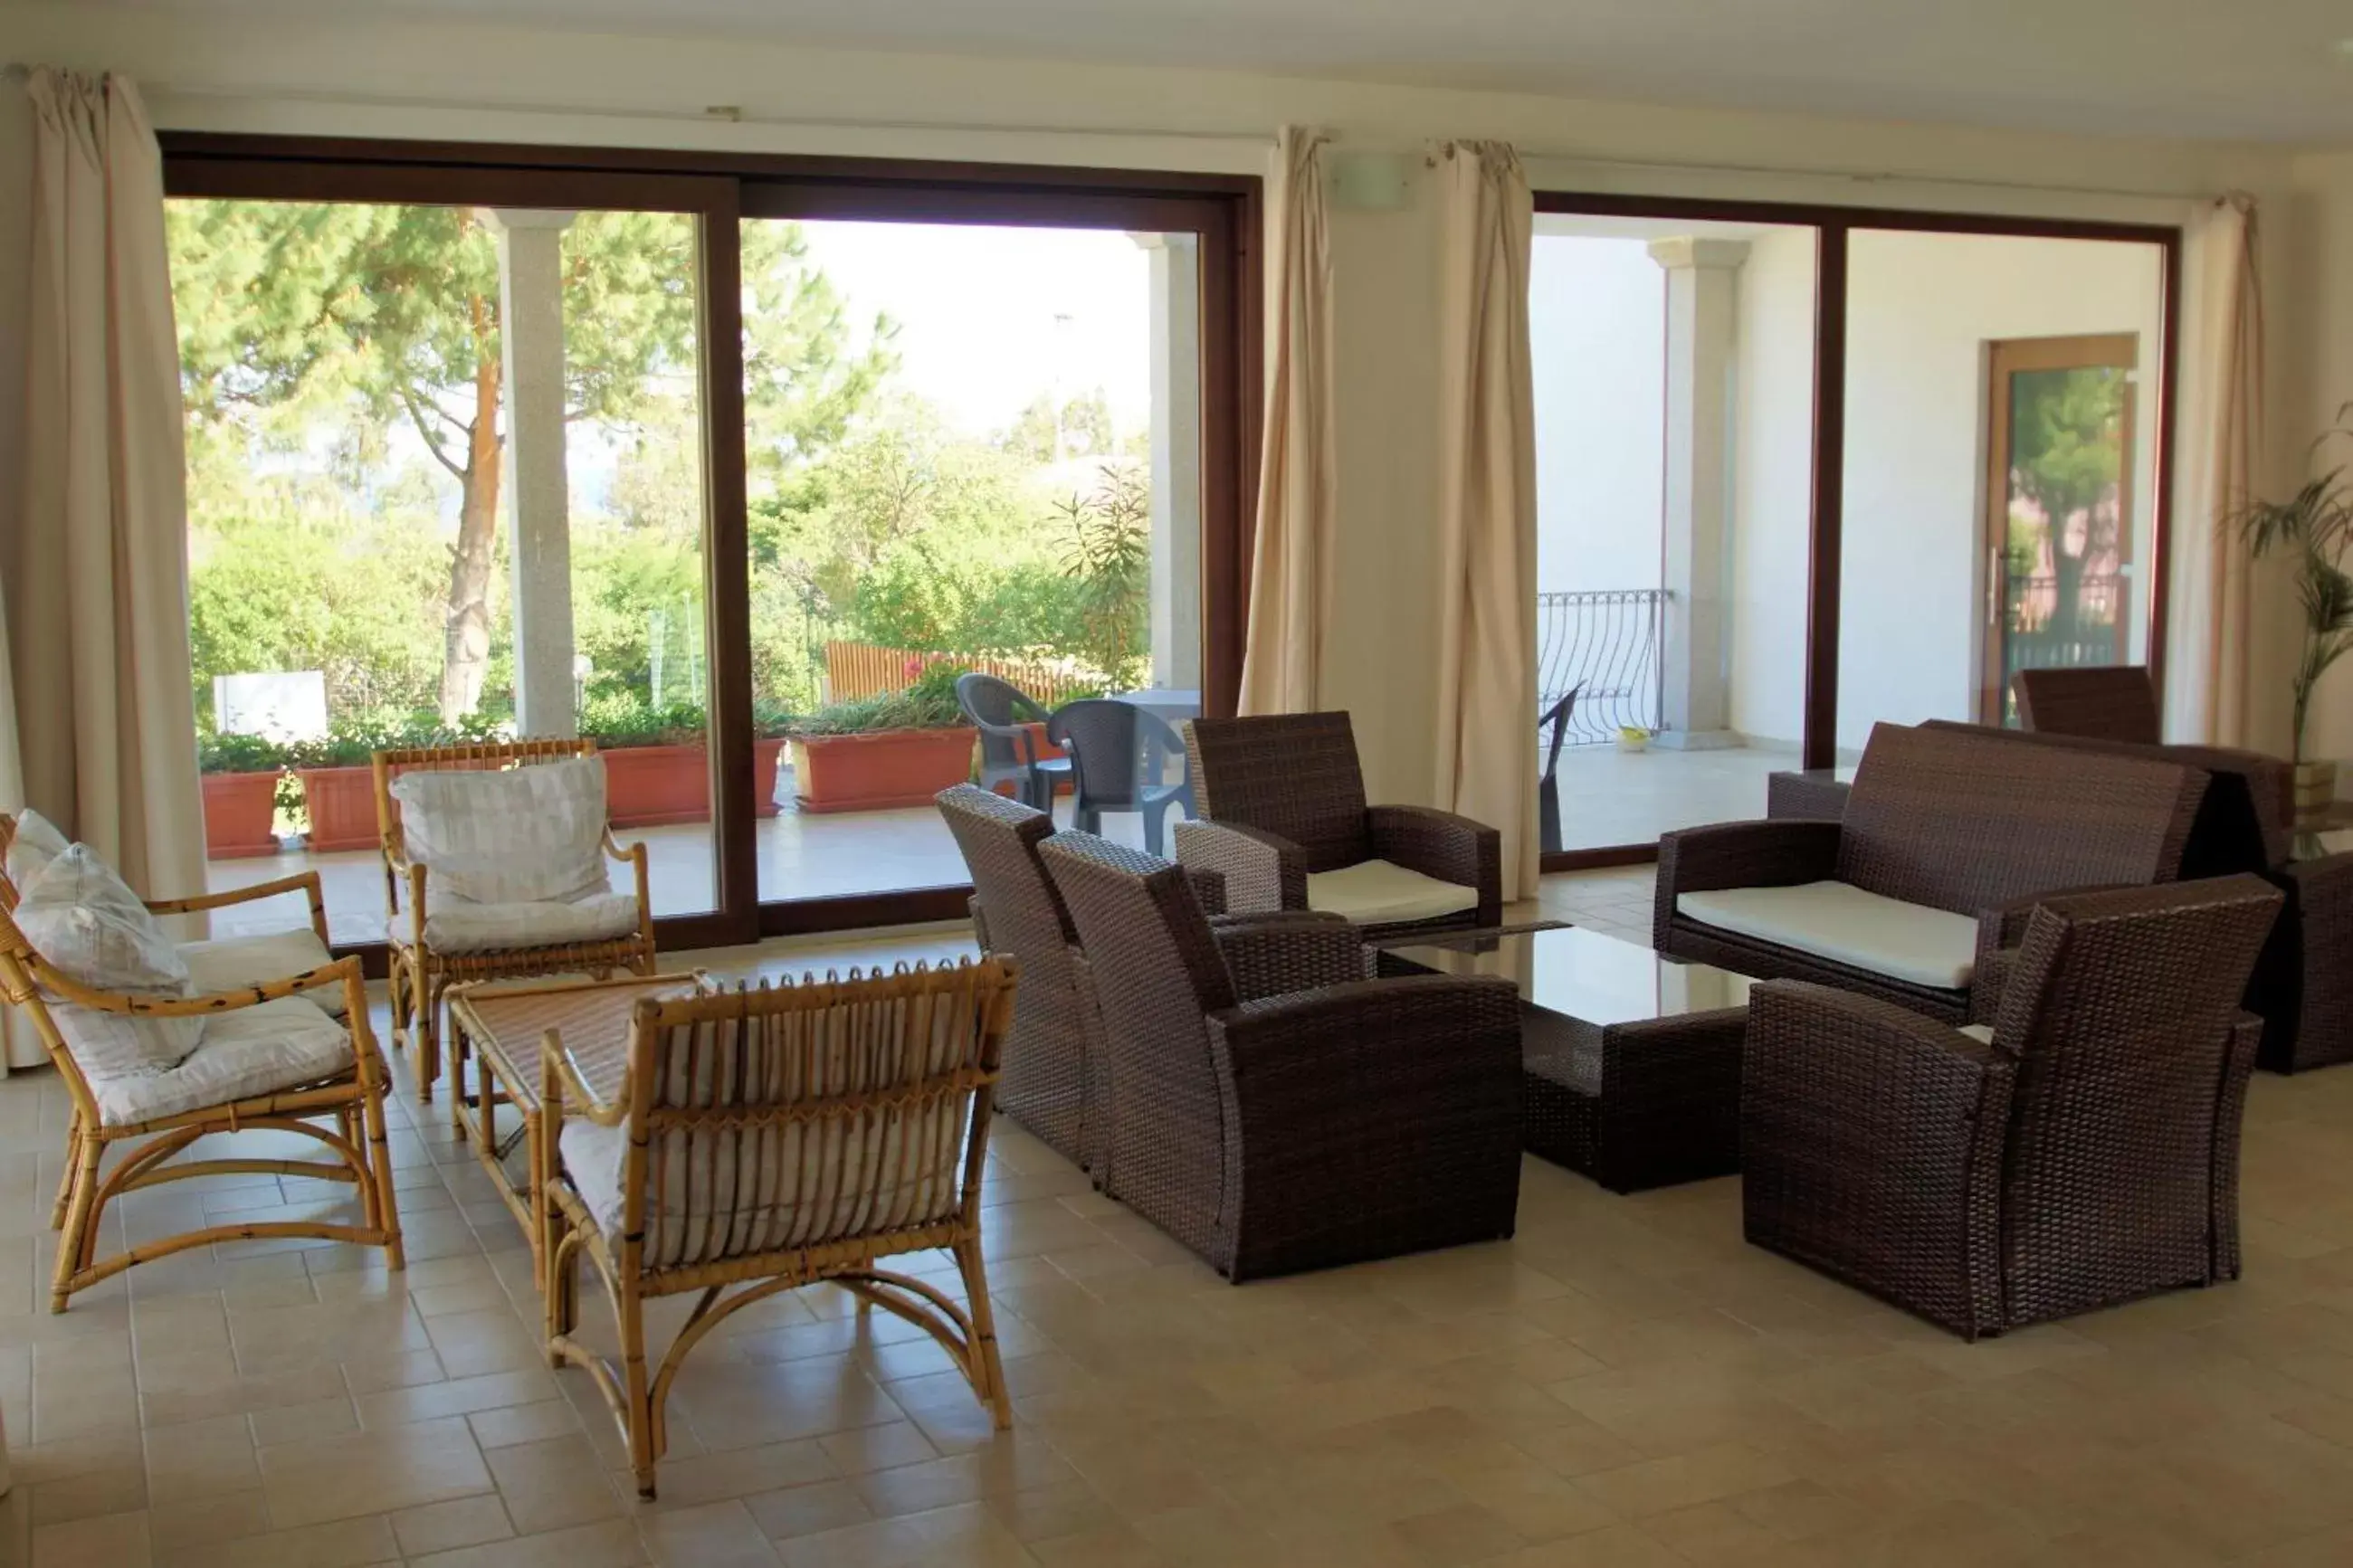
(772, 1138)
(351, 1094)
(419, 975)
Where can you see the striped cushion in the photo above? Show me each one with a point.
(519, 835)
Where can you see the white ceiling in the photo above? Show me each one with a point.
(2208, 68)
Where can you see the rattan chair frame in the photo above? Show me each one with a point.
(639, 1398)
(418, 976)
(353, 1097)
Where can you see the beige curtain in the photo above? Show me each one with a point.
(2219, 703)
(1486, 741)
(95, 573)
(1291, 566)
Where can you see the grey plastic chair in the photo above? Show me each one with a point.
(1549, 787)
(1008, 752)
(1120, 756)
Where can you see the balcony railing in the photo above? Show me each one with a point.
(1607, 641)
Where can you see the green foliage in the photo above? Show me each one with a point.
(354, 740)
(1083, 429)
(1110, 560)
(619, 722)
(2314, 527)
(928, 702)
(218, 753)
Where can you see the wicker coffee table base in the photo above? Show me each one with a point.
(1668, 1110)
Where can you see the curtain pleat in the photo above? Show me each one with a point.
(1291, 565)
(2219, 702)
(1485, 749)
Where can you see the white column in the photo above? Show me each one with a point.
(1703, 281)
(1175, 461)
(531, 325)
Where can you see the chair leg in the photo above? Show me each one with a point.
(388, 1206)
(428, 1035)
(77, 1242)
(65, 1178)
(637, 1388)
(987, 1370)
(1156, 829)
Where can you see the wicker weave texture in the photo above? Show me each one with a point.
(1049, 1058)
(2115, 702)
(1293, 774)
(2088, 1156)
(1296, 1128)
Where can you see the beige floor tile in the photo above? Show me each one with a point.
(612, 1544)
(552, 1485)
(445, 1526)
(342, 1543)
(810, 1510)
(371, 1472)
(715, 1535)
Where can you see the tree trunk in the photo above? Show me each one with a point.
(466, 647)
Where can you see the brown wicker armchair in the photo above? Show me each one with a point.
(1283, 818)
(2113, 702)
(2082, 1152)
(1919, 893)
(1269, 1107)
(422, 968)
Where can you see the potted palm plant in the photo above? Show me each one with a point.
(2313, 528)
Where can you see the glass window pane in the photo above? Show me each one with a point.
(444, 482)
(971, 449)
(2000, 459)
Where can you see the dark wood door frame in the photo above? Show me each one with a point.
(1833, 225)
(719, 189)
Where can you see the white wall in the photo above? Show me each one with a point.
(1773, 488)
(1922, 309)
(349, 75)
(1598, 323)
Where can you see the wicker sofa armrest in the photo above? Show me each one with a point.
(1296, 949)
(1208, 889)
(1442, 845)
(304, 882)
(2230, 1115)
(1361, 1114)
(1262, 870)
(979, 922)
(2001, 929)
(1779, 852)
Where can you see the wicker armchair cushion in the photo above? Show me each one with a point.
(234, 962)
(457, 924)
(38, 842)
(1376, 892)
(261, 1049)
(90, 927)
(515, 836)
(1847, 925)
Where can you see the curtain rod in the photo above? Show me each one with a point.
(728, 114)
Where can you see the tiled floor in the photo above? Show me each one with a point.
(1624, 1385)
(1608, 797)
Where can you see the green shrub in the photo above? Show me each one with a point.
(620, 721)
(929, 703)
(218, 753)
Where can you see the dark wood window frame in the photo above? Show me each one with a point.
(720, 189)
(1833, 227)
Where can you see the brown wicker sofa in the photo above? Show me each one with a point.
(2104, 702)
(1266, 1105)
(1280, 802)
(2302, 983)
(1918, 894)
(2083, 1151)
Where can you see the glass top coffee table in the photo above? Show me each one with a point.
(1632, 1061)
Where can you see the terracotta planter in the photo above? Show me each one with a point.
(767, 761)
(238, 812)
(341, 803)
(652, 786)
(874, 773)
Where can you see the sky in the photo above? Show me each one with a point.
(989, 318)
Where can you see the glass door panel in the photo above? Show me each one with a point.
(445, 482)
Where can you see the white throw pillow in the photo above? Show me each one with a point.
(38, 842)
(91, 928)
(520, 835)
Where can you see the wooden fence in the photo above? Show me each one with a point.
(854, 670)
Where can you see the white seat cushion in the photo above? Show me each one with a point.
(1375, 892)
(453, 925)
(272, 1046)
(229, 963)
(92, 928)
(518, 836)
(1981, 1033)
(1836, 921)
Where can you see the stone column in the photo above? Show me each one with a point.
(1176, 459)
(531, 325)
(1703, 282)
